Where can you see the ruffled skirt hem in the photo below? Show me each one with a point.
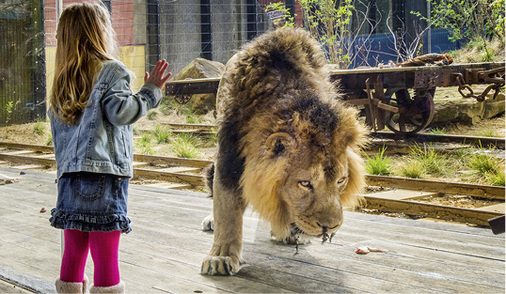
(90, 223)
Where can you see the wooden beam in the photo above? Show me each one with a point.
(195, 181)
(491, 192)
(431, 210)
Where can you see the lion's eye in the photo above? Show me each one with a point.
(305, 184)
(341, 180)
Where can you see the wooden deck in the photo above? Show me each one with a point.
(164, 251)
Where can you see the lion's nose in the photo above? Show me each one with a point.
(326, 228)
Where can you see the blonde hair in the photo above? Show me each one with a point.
(85, 38)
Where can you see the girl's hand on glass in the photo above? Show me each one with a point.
(156, 77)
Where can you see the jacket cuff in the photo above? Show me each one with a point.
(152, 93)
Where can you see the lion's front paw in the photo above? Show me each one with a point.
(220, 265)
(208, 223)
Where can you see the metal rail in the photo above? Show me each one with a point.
(418, 137)
(41, 155)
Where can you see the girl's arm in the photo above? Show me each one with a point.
(123, 108)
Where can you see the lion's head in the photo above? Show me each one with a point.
(302, 164)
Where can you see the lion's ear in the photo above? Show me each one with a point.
(277, 143)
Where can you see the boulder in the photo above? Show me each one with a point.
(467, 111)
(201, 68)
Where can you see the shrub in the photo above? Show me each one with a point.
(379, 164)
(162, 134)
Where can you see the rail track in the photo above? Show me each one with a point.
(395, 143)
(403, 196)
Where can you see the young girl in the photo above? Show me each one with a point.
(92, 109)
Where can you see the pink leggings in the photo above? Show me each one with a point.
(104, 251)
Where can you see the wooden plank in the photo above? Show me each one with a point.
(493, 208)
(484, 141)
(22, 159)
(431, 210)
(402, 194)
(180, 169)
(29, 166)
(41, 148)
(206, 127)
(195, 181)
(491, 192)
(20, 152)
(140, 164)
(170, 186)
(6, 287)
(171, 160)
(166, 247)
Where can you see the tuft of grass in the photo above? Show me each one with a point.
(438, 131)
(185, 146)
(39, 128)
(414, 169)
(161, 134)
(49, 140)
(193, 119)
(484, 164)
(145, 140)
(487, 133)
(151, 115)
(379, 164)
(146, 149)
(432, 162)
(135, 131)
(496, 179)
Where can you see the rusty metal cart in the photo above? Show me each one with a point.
(399, 98)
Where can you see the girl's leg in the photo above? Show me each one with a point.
(104, 251)
(75, 253)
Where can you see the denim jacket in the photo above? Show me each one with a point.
(101, 141)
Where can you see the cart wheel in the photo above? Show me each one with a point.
(415, 113)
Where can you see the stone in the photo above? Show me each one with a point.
(468, 111)
(201, 68)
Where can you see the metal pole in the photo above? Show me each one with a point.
(429, 35)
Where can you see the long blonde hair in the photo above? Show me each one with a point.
(85, 38)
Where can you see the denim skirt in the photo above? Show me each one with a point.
(91, 202)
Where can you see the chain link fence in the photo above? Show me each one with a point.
(147, 30)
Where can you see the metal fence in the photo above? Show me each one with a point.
(147, 30)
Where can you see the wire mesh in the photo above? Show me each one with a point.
(147, 30)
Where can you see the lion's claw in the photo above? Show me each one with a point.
(220, 266)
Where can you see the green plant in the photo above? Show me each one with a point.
(496, 179)
(185, 146)
(39, 128)
(145, 139)
(379, 164)
(483, 163)
(146, 149)
(467, 20)
(432, 162)
(414, 169)
(329, 22)
(438, 131)
(191, 118)
(280, 15)
(162, 134)
(487, 133)
(49, 140)
(8, 107)
(151, 115)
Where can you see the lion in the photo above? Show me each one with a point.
(287, 145)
